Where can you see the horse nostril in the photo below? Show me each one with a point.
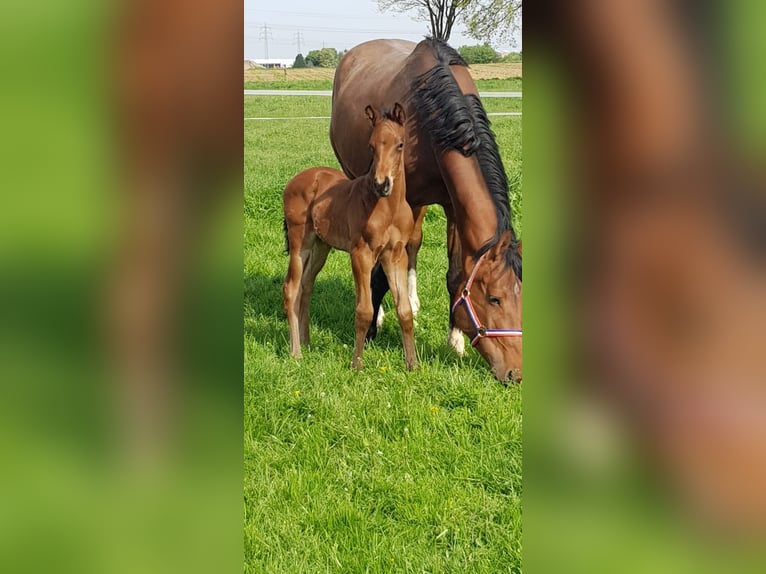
(383, 188)
(514, 375)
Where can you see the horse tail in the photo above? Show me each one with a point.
(287, 240)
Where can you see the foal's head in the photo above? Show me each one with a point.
(492, 291)
(387, 145)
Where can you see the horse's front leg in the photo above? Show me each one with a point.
(361, 264)
(379, 282)
(454, 254)
(394, 263)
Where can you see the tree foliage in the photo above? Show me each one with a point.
(493, 20)
(325, 58)
(441, 14)
(299, 62)
(484, 54)
(486, 20)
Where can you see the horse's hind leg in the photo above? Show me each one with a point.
(395, 265)
(313, 263)
(413, 247)
(292, 287)
(379, 288)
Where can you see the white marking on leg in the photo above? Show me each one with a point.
(412, 291)
(381, 314)
(456, 340)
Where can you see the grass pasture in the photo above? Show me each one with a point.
(489, 77)
(380, 470)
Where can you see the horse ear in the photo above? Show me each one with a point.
(399, 114)
(499, 249)
(370, 114)
(519, 249)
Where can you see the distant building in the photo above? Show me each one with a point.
(269, 63)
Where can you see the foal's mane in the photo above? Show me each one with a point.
(458, 121)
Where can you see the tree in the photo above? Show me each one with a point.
(484, 54)
(299, 62)
(492, 20)
(512, 58)
(487, 20)
(325, 58)
(441, 14)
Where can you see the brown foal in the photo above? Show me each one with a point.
(368, 217)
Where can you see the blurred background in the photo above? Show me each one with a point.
(645, 291)
(121, 307)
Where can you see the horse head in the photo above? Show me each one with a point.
(488, 308)
(387, 145)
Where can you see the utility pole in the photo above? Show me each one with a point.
(264, 35)
(298, 39)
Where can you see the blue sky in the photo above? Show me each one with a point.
(339, 24)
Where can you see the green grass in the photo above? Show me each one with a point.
(500, 85)
(375, 471)
(289, 85)
(301, 106)
(493, 85)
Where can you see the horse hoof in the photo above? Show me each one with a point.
(412, 366)
(357, 364)
(456, 341)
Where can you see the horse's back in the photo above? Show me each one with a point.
(365, 76)
(301, 190)
(381, 73)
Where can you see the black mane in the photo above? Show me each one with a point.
(458, 121)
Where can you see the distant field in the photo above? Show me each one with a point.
(488, 77)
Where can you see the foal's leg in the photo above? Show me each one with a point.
(454, 252)
(361, 264)
(313, 265)
(292, 287)
(380, 283)
(395, 265)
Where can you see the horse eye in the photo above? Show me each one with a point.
(400, 146)
(494, 300)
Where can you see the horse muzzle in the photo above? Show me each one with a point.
(382, 189)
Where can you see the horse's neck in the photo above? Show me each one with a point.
(399, 190)
(474, 210)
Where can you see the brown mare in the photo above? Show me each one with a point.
(451, 159)
(368, 217)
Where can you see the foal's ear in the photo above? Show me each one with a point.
(399, 114)
(370, 114)
(499, 249)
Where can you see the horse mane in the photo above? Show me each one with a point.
(458, 121)
(440, 104)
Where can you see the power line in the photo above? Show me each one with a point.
(264, 35)
(298, 38)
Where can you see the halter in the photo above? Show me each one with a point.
(481, 330)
